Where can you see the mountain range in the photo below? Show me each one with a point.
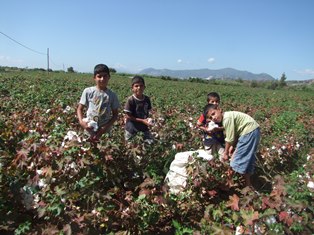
(226, 73)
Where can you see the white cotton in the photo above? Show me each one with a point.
(73, 165)
(239, 230)
(42, 140)
(151, 121)
(91, 123)
(270, 220)
(67, 109)
(310, 184)
(70, 135)
(42, 183)
(211, 125)
(161, 119)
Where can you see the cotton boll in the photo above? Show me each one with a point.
(211, 125)
(239, 230)
(67, 109)
(150, 121)
(42, 183)
(310, 185)
(93, 124)
(270, 220)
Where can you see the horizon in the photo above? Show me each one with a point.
(257, 37)
(125, 72)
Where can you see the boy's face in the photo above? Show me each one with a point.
(215, 115)
(138, 89)
(213, 100)
(101, 80)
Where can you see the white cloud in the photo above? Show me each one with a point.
(179, 61)
(126, 69)
(119, 66)
(211, 60)
(306, 71)
(8, 59)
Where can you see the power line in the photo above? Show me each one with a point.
(23, 45)
(41, 53)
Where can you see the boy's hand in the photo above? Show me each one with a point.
(231, 150)
(85, 126)
(148, 122)
(225, 157)
(212, 131)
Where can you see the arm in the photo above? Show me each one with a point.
(201, 123)
(228, 150)
(129, 116)
(204, 128)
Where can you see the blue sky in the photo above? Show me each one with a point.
(259, 36)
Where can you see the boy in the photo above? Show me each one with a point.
(241, 131)
(136, 110)
(213, 133)
(102, 105)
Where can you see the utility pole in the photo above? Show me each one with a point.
(48, 60)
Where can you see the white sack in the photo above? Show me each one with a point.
(177, 175)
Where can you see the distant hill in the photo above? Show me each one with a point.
(226, 73)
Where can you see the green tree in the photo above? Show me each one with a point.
(253, 83)
(70, 70)
(282, 81)
(273, 85)
(112, 70)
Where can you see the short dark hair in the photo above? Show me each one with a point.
(138, 79)
(209, 107)
(101, 68)
(213, 94)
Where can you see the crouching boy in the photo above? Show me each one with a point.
(242, 134)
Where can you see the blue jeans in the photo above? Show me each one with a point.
(244, 157)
